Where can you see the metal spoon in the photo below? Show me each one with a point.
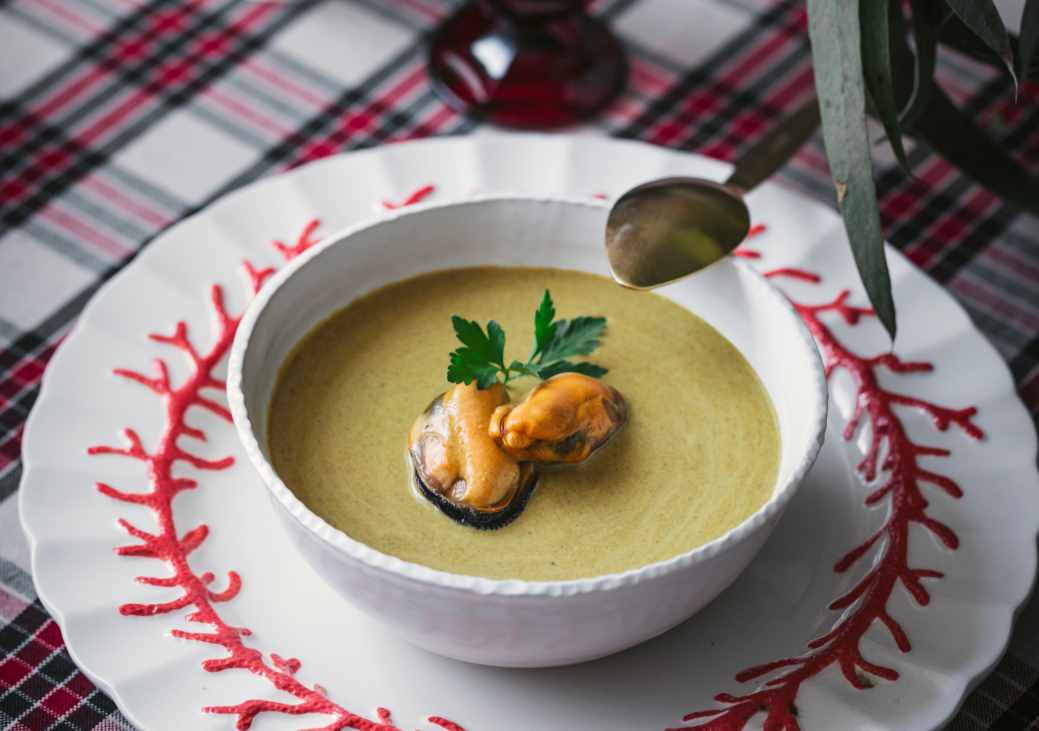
(667, 229)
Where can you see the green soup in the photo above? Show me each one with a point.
(699, 455)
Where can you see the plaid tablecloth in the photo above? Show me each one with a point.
(108, 105)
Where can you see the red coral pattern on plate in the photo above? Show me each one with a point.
(168, 544)
(866, 602)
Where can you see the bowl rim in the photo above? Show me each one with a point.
(395, 568)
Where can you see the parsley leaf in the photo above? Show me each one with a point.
(489, 346)
(466, 366)
(524, 369)
(579, 336)
(544, 325)
(482, 355)
(565, 366)
(496, 335)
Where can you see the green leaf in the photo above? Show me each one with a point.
(954, 135)
(473, 336)
(579, 336)
(927, 18)
(982, 17)
(1028, 50)
(956, 35)
(486, 377)
(876, 64)
(544, 327)
(466, 366)
(523, 369)
(836, 58)
(496, 338)
(565, 366)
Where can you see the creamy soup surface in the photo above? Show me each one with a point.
(699, 455)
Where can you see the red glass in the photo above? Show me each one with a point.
(534, 64)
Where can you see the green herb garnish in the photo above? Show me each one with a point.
(482, 355)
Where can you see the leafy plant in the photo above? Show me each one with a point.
(482, 355)
(877, 57)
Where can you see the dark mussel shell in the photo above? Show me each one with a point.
(483, 520)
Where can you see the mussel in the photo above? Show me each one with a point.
(562, 420)
(475, 455)
(459, 468)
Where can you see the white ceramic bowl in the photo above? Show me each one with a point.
(511, 622)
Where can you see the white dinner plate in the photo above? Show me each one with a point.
(914, 641)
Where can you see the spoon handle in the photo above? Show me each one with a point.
(774, 149)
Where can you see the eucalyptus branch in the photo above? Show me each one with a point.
(870, 58)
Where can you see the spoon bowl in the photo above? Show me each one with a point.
(666, 229)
